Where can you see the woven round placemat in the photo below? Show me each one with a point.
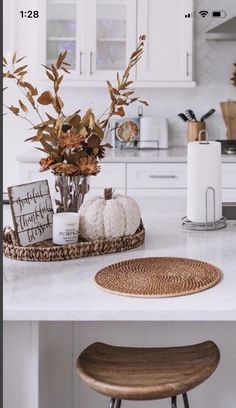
(158, 277)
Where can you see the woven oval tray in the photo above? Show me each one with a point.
(158, 277)
(46, 251)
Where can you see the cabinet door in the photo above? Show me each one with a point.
(111, 36)
(65, 30)
(168, 51)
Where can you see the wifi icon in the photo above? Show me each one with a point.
(203, 13)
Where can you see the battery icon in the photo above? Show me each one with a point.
(219, 13)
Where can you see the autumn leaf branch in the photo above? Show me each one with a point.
(73, 143)
(120, 95)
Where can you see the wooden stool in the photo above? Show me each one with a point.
(146, 373)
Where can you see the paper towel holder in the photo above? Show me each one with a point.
(207, 225)
(200, 137)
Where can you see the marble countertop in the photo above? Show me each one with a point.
(65, 291)
(173, 154)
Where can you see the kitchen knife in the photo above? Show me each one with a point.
(207, 115)
(183, 117)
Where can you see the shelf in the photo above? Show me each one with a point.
(111, 39)
(65, 2)
(61, 38)
(114, 2)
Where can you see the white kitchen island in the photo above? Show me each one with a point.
(53, 310)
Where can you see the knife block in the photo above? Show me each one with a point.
(193, 131)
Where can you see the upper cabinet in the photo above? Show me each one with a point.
(111, 36)
(100, 35)
(168, 51)
(65, 29)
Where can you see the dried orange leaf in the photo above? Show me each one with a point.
(20, 69)
(14, 58)
(45, 66)
(50, 76)
(14, 109)
(54, 70)
(51, 117)
(94, 141)
(29, 86)
(66, 70)
(59, 60)
(118, 78)
(60, 79)
(64, 54)
(22, 73)
(20, 59)
(23, 107)
(120, 111)
(45, 98)
(144, 102)
(75, 121)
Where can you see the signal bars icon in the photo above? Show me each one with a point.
(190, 15)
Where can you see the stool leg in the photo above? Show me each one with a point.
(173, 402)
(112, 403)
(118, 403)
(185, 398)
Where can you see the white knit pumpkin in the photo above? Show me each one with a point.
(108, 216)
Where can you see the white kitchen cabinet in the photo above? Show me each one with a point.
(168, 50)
(63, 28)
(110, 176)
(156, 175)
(111, 36)
(100, 35)
(136, 179)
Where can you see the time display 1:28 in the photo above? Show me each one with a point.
(29, 13)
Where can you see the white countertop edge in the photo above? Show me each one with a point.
(174, 154)
(122, 316)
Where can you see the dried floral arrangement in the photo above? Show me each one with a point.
(72, 143)
(233, 78)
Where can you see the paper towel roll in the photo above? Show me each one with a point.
(203, 171)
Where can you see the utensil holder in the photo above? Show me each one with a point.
(193, 131)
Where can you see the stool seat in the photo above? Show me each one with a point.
(146, 373)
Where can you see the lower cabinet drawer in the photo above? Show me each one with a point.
(229, 195)
(157, 175)
(229, 175)
(111, 175)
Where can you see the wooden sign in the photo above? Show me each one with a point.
(32, 212)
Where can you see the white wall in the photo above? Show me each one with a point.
(213, 65)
